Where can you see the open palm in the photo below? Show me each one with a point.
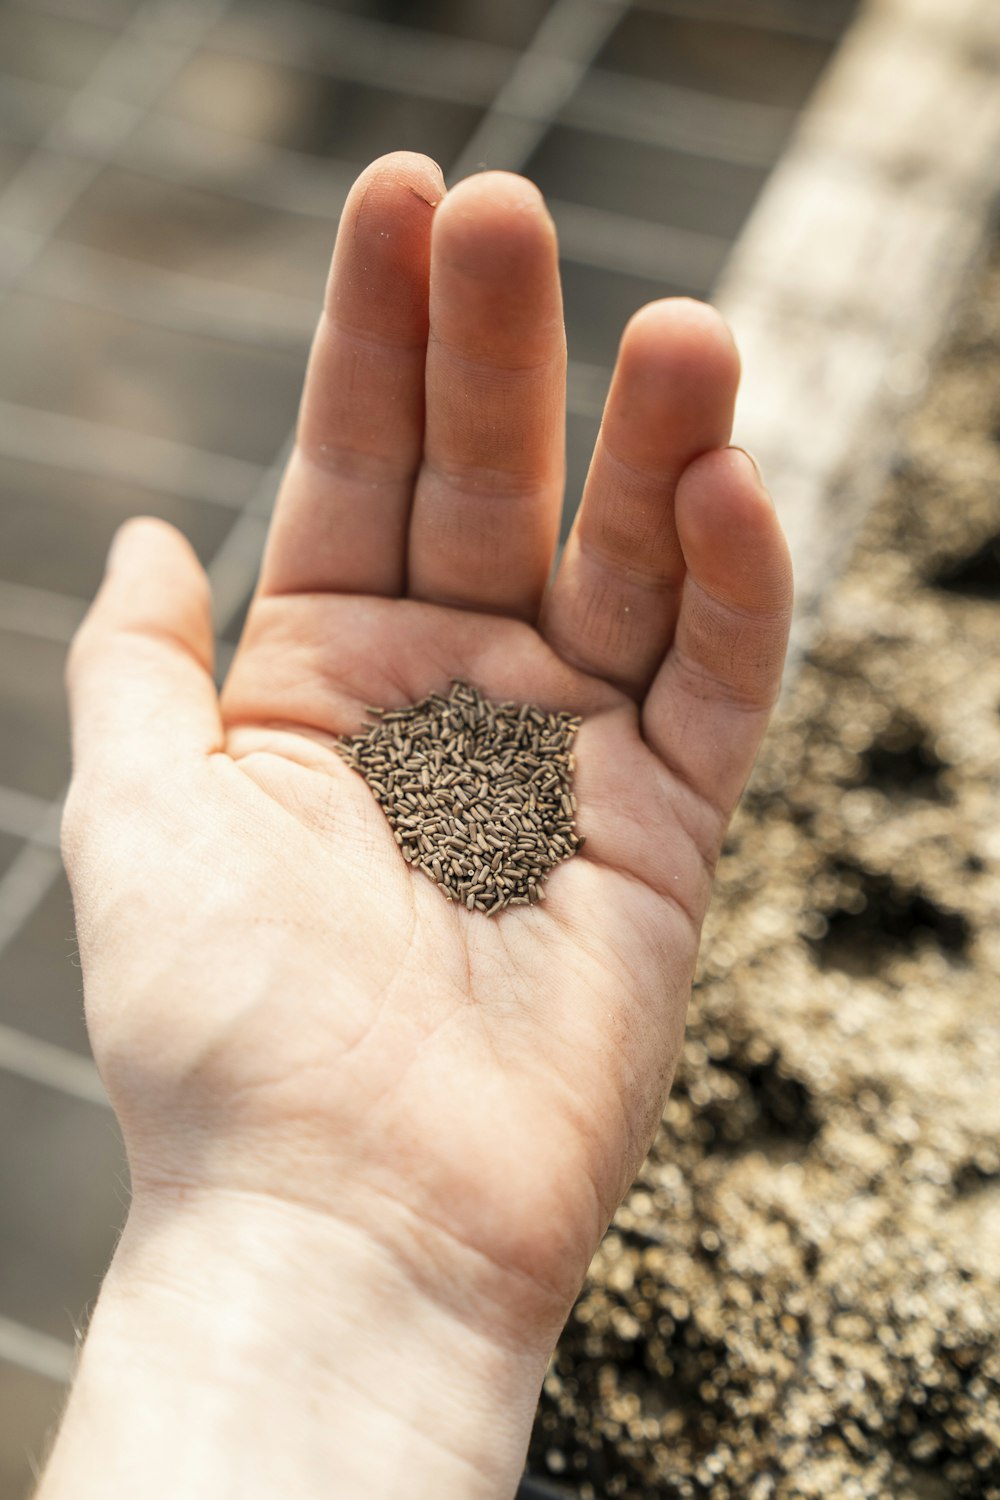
(279, 1005)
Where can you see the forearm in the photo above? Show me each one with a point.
(240, 1348)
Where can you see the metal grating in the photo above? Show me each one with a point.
(171, 172)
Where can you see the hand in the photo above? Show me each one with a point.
(287, 1018)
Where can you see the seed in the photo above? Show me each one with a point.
(478, 794)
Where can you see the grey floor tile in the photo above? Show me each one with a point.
(206, 234)
(29, 112)
(55, 526)
(50, 49)
(9, 845)
(90, 363)
(307, 112)
(11, 157)
(108, 12)
(63, 1200)
(600, 303)
(741, 62)
(34, 734)
(41, 985)
(645, 182)
(30, 1407)
(511, 24)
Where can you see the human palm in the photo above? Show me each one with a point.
(279, 1004)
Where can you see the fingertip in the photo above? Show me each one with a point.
(724, 485)
(148, 548)
(495, 293)
(138, 671)
(674, 388)
(378, 281)
(505, 189)
(730, 533)
(139, 535)
(682, 340)
(153, 580)
(492, 222)
(409, 170)
(388, 211)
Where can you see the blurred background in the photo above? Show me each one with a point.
(171, 174)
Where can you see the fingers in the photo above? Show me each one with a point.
(342, 514)
(613, 604)
(486, 510)
(709, 703)
(140, 667)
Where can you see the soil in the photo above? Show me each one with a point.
(799, 1297)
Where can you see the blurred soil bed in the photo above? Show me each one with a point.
(801, 1295)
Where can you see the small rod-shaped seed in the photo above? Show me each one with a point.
(478, 795)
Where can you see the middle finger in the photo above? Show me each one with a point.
(489, 494)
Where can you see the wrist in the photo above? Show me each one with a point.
(281, 1351)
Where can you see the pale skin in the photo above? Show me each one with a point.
(375, 1138)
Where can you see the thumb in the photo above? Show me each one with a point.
(139, 673)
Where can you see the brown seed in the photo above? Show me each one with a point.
(478, 795)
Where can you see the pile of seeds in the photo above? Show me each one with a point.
(478, 794)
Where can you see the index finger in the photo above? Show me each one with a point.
(343, 508)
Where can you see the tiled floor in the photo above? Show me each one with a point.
(40, 989)
(55, 524)
(34, 756)
(171, 172)
(64, 1189)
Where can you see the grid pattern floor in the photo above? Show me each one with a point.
(171, 173)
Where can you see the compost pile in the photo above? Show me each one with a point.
(801, 1295)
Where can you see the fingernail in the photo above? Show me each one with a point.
(735, 448)
(440, 188)
(758, 475)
